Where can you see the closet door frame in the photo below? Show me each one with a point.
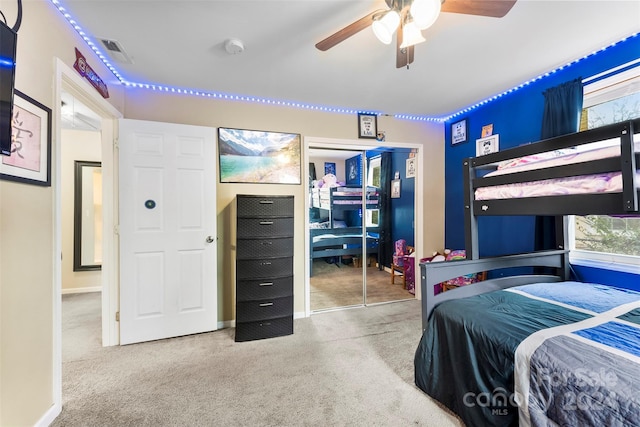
(360, 145)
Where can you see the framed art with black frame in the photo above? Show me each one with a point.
(459, 132)
(30, 159)
(367, 126)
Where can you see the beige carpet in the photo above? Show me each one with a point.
(349, 367)
(340, 285)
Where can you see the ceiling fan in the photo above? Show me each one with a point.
(409, 17)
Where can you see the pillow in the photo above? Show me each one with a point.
(316, 225)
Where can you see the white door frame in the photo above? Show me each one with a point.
(359, 145)
(68, 80)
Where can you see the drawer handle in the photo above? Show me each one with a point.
(267, 243)
(266, 222)
(266, 284)
(266, 202)
(265, 263)
(266, 304)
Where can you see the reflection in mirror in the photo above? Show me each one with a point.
(87, 238)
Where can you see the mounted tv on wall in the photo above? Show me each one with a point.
(8, 39)
(259, 157)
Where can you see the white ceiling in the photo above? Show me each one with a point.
(466, 59)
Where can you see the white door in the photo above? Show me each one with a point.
(167, 182)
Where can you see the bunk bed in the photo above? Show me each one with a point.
(335, 236)
(531, 348)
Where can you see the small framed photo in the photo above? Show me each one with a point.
(395, 189)
(411, 167)
(30, 159)
(487, 145)
(329, 168)
(459, 132)
(367, 126)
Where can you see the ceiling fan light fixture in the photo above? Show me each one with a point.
(411, 35)
(384, 26)
(425, 12)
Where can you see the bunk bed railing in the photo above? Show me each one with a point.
(620, 203)
(433, 273)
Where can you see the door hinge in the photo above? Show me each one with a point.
(116, 230)
(116, 144)
(117, 316)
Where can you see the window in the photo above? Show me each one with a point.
(603, 238)
(373, 180)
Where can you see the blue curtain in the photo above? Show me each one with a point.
(385, 245)
(562, 108)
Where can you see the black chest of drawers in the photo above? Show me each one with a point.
(264, 267)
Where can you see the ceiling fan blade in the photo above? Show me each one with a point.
(492, 8)
(404, 56)
(346, 32)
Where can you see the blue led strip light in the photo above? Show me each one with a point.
(292, 104)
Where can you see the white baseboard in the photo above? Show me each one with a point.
(49, 416)
(81, 290)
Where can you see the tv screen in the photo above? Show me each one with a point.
(8, 39)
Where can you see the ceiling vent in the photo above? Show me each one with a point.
(116, 51)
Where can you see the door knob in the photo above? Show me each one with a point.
(209, 239)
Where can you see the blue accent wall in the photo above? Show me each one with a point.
(607, 277)
(402, 223)
(517, 118)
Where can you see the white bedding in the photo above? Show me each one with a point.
(587, 184)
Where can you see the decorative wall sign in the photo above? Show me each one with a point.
(30, 159)
(411, 167)
(459, 132)
(87, 72)
(487, 145)
(367, 126)
(395, 189)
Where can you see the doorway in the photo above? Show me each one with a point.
(81, 211)
(347, 266)
(69, 83)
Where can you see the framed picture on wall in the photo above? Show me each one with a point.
(353, 170)
(411, 167)
(395, 189)
(30, 159)
(367, 126)
(459, 132)
(329, 168)
(487, 145)
(259, 157)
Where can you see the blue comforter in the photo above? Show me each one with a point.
(571, 342)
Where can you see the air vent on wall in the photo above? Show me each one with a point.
(116, 51)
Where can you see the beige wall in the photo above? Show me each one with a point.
(146, 105)
(27, 221)
(27, 227)
(84, 146)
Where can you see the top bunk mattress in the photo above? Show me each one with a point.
(610, 182)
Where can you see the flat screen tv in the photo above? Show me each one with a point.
(8, 38)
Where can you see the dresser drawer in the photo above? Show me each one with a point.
(264, 329)
(261, 248)
(264, 227)
(253, 311)
(265, 206)
(264, 268)
(247, 290)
